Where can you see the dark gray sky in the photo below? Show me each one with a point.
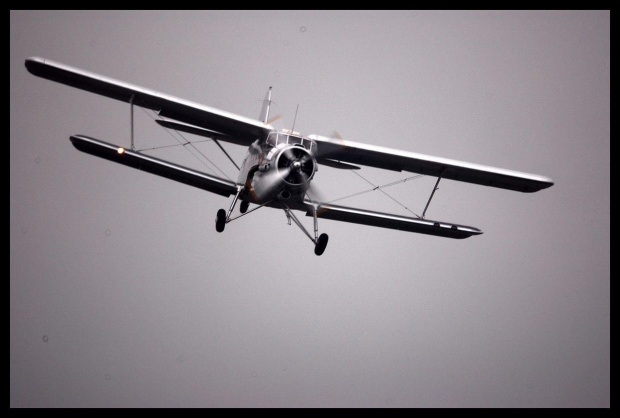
(122, 293)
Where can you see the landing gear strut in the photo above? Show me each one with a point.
(320, 242)
(222, 217)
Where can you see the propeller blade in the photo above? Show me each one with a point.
(337, 136)
(269, 182)
(314, 194)
(273, 119)
(288, 153)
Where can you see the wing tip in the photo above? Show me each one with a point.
(469, 230)
(33, 63)
(549, 181)
(542, 184)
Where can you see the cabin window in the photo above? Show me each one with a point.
(272, 139)
(278, 139)
(294, 140)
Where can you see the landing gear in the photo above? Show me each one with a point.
(222, 217)
(220, 220)
(321, 243)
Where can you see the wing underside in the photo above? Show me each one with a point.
(386, 220)
(244, 130)
(155, 166)
(390, 159)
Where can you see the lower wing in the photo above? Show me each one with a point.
(152, 165)
(387, 220)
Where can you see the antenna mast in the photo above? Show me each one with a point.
(295, 118)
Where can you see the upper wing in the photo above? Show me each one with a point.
(386, 220)
(391, 159)
(246, 130)
(153, 165)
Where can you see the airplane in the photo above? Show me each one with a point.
(279, 165)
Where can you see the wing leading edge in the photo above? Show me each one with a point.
(153, 165)
(391, 159)
(387, 220)
(246, 130)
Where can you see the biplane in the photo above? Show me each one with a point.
(279, 165)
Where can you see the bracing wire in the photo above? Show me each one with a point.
(385, 193)
(193, 146)
(173, 145)
(181, 143)
(383, 186)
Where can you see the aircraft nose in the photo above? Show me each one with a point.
(296, 165)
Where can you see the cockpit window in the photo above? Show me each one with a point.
(282, 139)
(279, 139)
(294, 139)
(272, 139)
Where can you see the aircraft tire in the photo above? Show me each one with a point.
(321, 244)
(220, 220)
(243, 207)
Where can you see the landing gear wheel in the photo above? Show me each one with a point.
(321, 243)
(243, 208)
(220, 220)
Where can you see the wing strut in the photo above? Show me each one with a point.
(133, 148)
(228, 155)
(433, 192)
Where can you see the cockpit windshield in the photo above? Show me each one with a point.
(277, 139)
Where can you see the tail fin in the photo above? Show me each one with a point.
(264, 113)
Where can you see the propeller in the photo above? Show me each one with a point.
(273, 119)
(313, 192)
(337, 136)
(295, 165)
